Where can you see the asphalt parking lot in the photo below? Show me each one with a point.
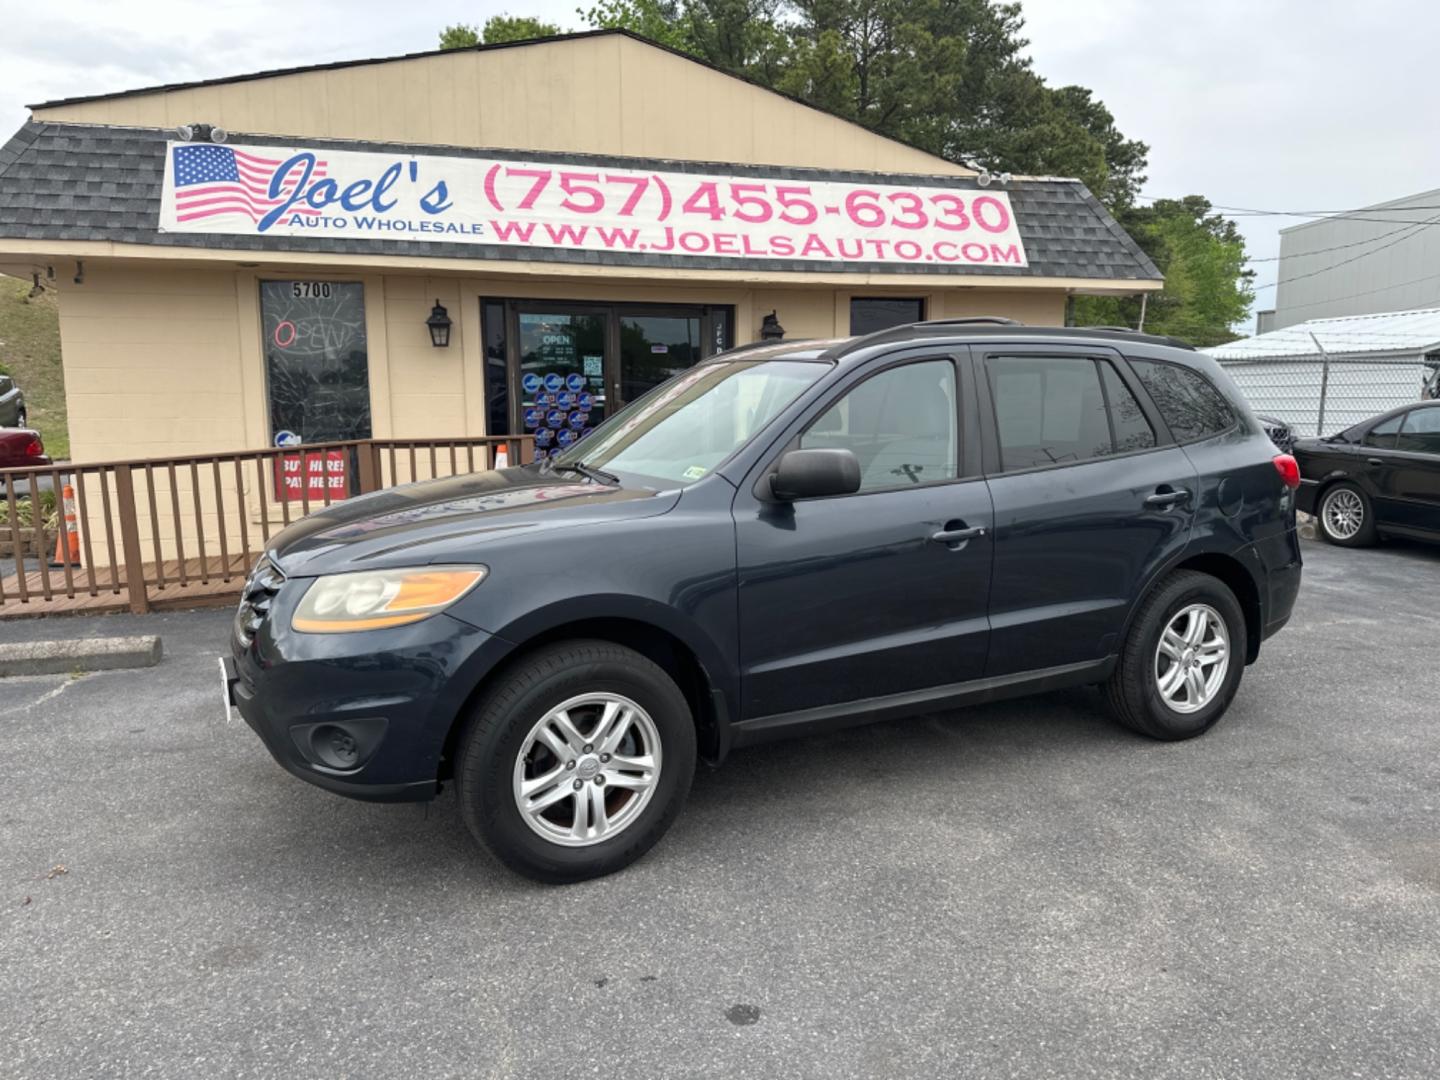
(1018, 890)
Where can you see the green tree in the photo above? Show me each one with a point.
(497, 30)
(1202, 255)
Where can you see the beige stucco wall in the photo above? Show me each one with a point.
(600, 95)
(165, 361)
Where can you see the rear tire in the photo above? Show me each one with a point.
(606, 806)
(1347, 517)
(1178, 688)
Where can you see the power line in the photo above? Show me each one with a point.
(1346, 262)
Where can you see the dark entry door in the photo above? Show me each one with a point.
(561, 376)
(654, 347)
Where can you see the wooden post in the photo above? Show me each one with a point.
(130, 539)
(366, 466)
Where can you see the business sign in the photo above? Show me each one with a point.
(275, 191)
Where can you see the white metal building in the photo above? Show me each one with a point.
(1382, 258)
(1323, 375)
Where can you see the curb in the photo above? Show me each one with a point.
(79, 654)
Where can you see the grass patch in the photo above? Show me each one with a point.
(30, 351)
(25, 511)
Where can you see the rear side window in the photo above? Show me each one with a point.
(1382, 435)
(5, 385)
(1421, 432)
(1192, 407)
(1051, 410)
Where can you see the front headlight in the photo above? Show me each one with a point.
(376, 599)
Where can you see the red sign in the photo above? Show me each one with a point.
(311, 475)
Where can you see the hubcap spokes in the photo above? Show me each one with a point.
(1192, 658)
(1344, 514)
(587, 769)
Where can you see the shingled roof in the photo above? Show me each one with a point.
(88, 182)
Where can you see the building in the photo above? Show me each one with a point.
(1381, 258)
(516, 238)
(1323, 375)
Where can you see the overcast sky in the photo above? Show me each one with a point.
(1270, 104)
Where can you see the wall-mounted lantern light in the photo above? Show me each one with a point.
(770, 328)
(439, 324)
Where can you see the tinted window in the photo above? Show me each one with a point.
(869, 314)
(1421, 432)
(1132, 430)
(5, 385)
(1049, 411)
(1382, 435)
(1192, 407)
(316, 360)
(900, 424)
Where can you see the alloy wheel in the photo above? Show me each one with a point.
(1343, 514)
(587, 769)
(1192, 658)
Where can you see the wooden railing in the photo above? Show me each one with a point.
(171, 532)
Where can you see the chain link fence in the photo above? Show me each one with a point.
(1320, 395)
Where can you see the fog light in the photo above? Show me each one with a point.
(343, 745)
(334, 747)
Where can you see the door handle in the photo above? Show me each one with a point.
(1165, 499)
(957, 536)
(1374, 461)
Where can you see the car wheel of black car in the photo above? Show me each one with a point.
(1182, 659)
(22, 419)
(577, 761)
(1345, 516)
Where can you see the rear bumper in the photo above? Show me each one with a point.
(1282, 583)
(1305, 495)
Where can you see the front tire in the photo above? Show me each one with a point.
(1346, 516)
(576, 762)
(1182, 659)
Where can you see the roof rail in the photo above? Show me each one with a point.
(996, 320)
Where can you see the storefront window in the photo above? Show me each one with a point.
(871, 314)
(316, 362)
(562, 376)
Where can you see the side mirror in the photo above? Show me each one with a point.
(810, 474)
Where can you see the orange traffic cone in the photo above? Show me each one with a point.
(502, 457)
(67, 540)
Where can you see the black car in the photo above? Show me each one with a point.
(785, 539)
(1281, 433)
(1380, 477)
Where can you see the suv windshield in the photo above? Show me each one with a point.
(682, 430)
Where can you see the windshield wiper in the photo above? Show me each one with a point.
(587, 470)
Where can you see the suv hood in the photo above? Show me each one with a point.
(453, 520)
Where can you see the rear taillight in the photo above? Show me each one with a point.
(35, 448)
(1289, 470)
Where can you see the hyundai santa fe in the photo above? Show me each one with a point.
(782, 540)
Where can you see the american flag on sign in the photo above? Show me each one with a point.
(211, 180)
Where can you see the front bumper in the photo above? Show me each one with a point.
(363, 715)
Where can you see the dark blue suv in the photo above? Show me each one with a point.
(785, 539)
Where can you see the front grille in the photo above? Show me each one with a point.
(260, 589)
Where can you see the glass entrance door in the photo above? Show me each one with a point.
(561, 376)
(655, 347)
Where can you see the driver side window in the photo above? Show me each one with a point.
(900, 425)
